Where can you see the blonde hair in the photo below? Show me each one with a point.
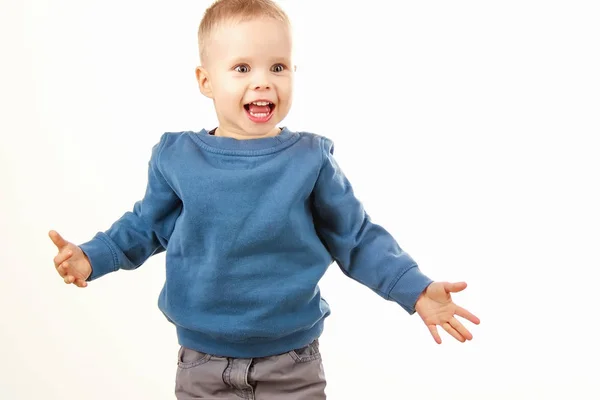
(236, 10)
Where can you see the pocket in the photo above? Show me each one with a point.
(307, 353)
(189, 358)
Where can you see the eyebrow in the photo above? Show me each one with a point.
(274, 60)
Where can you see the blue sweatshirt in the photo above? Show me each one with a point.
(249, 228)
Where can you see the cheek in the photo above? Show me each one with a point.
(286, 88)
(229, 90)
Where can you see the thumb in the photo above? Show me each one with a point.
(454, 287)
(58, 240)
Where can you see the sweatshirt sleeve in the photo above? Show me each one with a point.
(139, 233)
(365, 251)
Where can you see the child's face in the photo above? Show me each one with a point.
(247, 63)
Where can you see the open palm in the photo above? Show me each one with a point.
(435, 307)
(71, 263)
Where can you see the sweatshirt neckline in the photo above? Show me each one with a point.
(227, 145)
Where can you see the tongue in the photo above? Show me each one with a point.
(254, 109)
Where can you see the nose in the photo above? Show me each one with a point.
(261, 82)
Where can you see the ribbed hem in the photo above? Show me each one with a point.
(101, 255)
(248, 349)
(408, 288)
(249, 147)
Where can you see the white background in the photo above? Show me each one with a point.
(468, 128)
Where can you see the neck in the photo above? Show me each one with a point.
(240, 135)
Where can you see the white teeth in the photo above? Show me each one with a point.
(259, 115)
(261, 103)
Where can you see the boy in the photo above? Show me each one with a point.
(251, 216)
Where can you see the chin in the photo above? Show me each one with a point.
(259, 132)
(255, 129)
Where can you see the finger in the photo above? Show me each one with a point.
(467, 315)
(62, 257)
(63, 269)
(434, 332)
(69, 279)
(453, 332)
(58, 240)
(461, 329)
(454, 287)
(80, 283)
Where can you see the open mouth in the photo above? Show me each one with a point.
(260, 111)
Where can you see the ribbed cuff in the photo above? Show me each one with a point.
(408, 288)
(101, 255)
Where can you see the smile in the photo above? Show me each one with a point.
(259, 111)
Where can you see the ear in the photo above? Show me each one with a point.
(203, 82)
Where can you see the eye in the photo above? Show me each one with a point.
(278, 68)
(242, 68)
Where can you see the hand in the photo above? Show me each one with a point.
(435, 307)
(71, 262)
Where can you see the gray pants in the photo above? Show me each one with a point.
(296, 375)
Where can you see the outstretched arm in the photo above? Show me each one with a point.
(367, 253)
(139, 233)
(364, 251)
